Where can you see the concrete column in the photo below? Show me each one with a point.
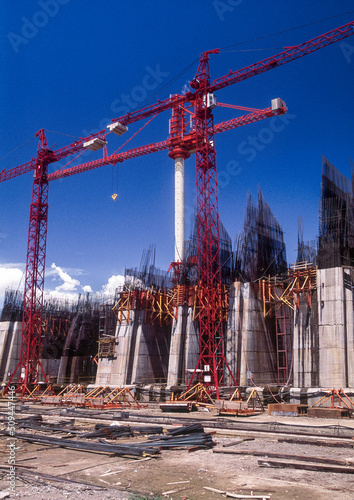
(114, 371)
(192, 346)
(305, 344)
(179, 209)
(258, 363)
(176, 350)
(10, 345)
(348, 295)
(234, 331)
(332, 328)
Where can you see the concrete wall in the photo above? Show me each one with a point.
(249, 344)
(305, 344)
(335, 324)
(324, 334)
(10, 345)
(184, 347)
(141, 354)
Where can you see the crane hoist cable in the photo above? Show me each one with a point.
(27, 142)
(286, 31)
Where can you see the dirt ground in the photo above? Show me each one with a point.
(179, 474)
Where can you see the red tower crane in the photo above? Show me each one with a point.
(29, 364)
(211, 362)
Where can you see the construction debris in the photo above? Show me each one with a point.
(297, 465)
(234, 495)
(301, 458)
(318, 442)
(129, 450)
(336, 410)
(99, 397)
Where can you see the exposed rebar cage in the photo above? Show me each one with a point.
(148, 275)
(260, 248)
(226, 255)
(68, 328)
(336, 231)
(13, 306)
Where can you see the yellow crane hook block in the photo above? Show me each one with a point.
(114, 196)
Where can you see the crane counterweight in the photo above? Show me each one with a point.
(117, 128)
(95, 144)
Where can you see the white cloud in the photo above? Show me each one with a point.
(71, 271)
(65, 286)
(69, 284)
(70, 287)
(113, 282)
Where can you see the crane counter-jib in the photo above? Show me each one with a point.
(110, 160)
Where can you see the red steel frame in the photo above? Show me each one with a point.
(29, 366)
(211, 357)
(29, 363)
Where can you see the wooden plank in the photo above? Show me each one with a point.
(321, 412)
(318, 442)
(236, 495)
(312, 467)
(287, 408)
(246, 497)
(239, 441)
(301, 458)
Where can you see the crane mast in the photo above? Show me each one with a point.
(29, 366)
(211, 357)
(29, 363)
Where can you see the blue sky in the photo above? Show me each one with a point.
(69, 66)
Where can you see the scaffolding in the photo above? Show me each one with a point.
(283, 331)
(160, 305)
(280, 297)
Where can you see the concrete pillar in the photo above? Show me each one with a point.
(114, 371)
(192, 345)
(305, 344)
(332, 328)
(234, 331)
(179, 209)
(176, 350)
(139, 358)
(62, 370)
(349, 304)
(258, 363)
(10, 345)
